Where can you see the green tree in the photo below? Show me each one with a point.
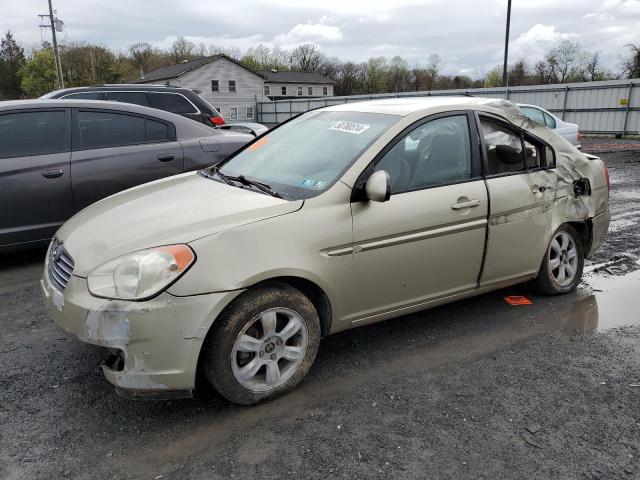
(493, 78)
(11, 62)
(39, 74)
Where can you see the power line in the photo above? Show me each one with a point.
(55, 23)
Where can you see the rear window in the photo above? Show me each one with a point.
(173, 102)
(137, 98)
(99, 129)
(32, 133)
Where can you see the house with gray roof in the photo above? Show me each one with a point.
(234, 89)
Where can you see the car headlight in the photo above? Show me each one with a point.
(140, 275)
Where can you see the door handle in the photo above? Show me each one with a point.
(53, 173)
(468, 204)
(166, 157)
(540, 188)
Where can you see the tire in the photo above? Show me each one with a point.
(565, 253)
(271, 327)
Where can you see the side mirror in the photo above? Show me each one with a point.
(378, 187)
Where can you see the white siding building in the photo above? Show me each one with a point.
(234, 90)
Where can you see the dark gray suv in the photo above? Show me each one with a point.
(58, 156)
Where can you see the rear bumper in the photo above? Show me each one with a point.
(159, 341)
(599, 227)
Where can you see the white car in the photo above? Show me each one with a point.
(568, 131)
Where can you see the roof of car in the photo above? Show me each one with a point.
(115, 86)
(103, 105)
(407, 105)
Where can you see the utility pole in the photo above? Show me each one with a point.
(505, 79)
(56, 52)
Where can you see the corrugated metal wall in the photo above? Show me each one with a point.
(611, 106)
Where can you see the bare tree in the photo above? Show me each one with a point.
(141, 54)
(307, 58)
(631, 66)
(564, 60)
(182, 49)
(397, 74)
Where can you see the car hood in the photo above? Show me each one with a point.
(176, 209)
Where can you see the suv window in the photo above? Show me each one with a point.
(435, 153)
(83, 96)
(173, 102)
(137, 98)
(32, 133)
(99, 129)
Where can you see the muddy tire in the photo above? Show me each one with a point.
(561, 268)
(263, 344)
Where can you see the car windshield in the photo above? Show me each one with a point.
(308, 154)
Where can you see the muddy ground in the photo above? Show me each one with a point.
(476, 389)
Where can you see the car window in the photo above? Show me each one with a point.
(173, 102)
(534, 114)
(549, 120)
(105, 129)
(137, 98)
(83, 96)
(435, 153)
(549, 157)
(157, 131)
(503, 147)
(532, 154)
(308, 154)
(32, 133)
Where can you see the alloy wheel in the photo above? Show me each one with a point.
(563, 259)
(269, 349)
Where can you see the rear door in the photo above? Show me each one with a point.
(114, 150)
(427, 240)
(521, 179)
(35, 181)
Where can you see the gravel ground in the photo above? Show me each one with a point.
(475, 389)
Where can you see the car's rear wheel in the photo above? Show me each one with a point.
(561, 268)
(263, 345)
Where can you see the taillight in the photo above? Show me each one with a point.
(579, 137)
(217, 120)
(606, 176)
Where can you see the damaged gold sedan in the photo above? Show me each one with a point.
(341, 217)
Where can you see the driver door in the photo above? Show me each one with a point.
(427, 241)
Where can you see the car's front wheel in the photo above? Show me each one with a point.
(561, 268)
(263, 345)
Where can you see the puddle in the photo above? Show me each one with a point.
(614, 302)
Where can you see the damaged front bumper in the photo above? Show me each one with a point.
(154, 344)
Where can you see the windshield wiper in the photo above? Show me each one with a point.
(263, 187)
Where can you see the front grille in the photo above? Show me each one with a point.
(60, 265)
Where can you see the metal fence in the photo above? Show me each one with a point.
(608, 107)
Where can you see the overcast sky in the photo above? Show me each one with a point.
(467, 34)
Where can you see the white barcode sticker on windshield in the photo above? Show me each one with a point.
(349, 127)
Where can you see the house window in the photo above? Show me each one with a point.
(232, 86)
(215, 86)
(267, 90)
(284, 90)
(309, 90)
(250, 112)
(299, 89)
(325, 91)
(233, 113)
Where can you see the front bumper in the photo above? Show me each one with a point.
(159, 339)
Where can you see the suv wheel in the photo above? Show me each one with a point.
(263, 345)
